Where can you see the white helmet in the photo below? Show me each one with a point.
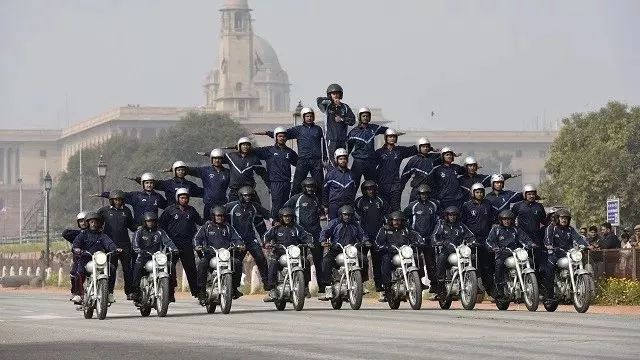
(147, 177)
(178, 164)
(445, 150)
(279, 130)
(470, 161)
(181, 191)
(307, 110)
(81, 215)
(362, 111)
(476, 186)
(340, 152)
(216, 153)
(422, 141)
(496, 178)
(390, 132)
(243, 140)
(528, 188)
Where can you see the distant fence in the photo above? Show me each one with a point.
(619, 263)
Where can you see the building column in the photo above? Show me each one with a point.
(9, 165)
(5, 167)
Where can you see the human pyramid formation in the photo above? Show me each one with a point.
(447, 206)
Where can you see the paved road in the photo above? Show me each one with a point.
(46, 326)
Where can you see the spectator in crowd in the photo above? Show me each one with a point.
(583, 232)
(625, 253)
(592, 236)
(635, 239)
(609, 240)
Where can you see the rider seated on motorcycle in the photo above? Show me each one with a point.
(70, 235)
(285, 233)
(149, 238)
(393, 234)
(559, 238)
(450, 232)
(218, 234)
(92, 240)
(505, 236)
(344, 230)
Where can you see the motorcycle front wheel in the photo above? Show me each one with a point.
(415, 290)
(336, 302)
(355, 294)
(502, 304)
(226, 293)
(102, 298)
(298, 291)
(582, 294)
(469, 292)
(86, 306)
(531, 293)
(162, 297)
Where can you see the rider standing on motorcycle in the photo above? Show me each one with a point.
(446, 180)
(147, 200)
(215, 180)
(388, 159)
(420, 167)
(532, 219)
(339, 187)
(150, 238)
(218, 234)
(559, 239)
(505, 236)
(449, 233)
(118, 221)
(499, 198)
(242, 216)
(371, 211)
(179, 221)
(93, 240)
(286, 233)
(339, 118)
(243, 164)
(422, 215)
(472, 177)
(396, 233)
(361, 145)
(70, 235)
(170, 186)
(344, 230)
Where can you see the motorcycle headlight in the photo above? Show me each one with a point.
(351, 251)
(465, 251)
(293, 251)
(575, 255)
(100, 258)
(522, 254)
(161, 259)
(224, 255)
(406, 252)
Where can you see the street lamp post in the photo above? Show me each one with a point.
(102, 173)
(20, 209)
(47, 187)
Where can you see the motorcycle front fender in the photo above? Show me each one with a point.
(411, 268)
(102, 276)
(355, 268)
(469, 268)
(163, 275)
(581, 272)
(227, 271)
(296, 268)
(528, 271)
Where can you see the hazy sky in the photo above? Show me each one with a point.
(476, 64)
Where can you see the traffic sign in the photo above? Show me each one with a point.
(613, 211)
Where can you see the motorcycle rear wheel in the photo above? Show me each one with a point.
(336, 302)
(445, 299)
(280, 304)
(355, 294)
(502, 304)
(226, 293)
(469, 293)
(531, 292)
(102, 298)
(582, 295)
(162, 297)
(550, 306)
(415, 290)
(145, 311)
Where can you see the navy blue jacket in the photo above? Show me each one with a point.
(503, 237)
(388, 162)
(447, 183)
(142, 202)
(117, 223)
(422, 217)
(388, 237)
(170, 186)
(70, 234)
(93, 241)
(454, 234)
(344, 233)
(564, 237)
(308, 210)
(151, 240)
(217, 236)
(361, 141)
(336, 131)
(311, 145)
(339, 187)
(371, 213)
(180, 224)
(503, 200)
(531, 218)
(479, 218)
(242, 218)
(420, 167)
(284, 235)
(242, 169)
(279, 161)
(214, 181)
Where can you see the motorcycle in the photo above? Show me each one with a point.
(291, 284)
(219, 288)
(154, 286)
(573, 283)
(96, 285)
(405, 280)
(347, 279)
(522, 283)
(461, 279)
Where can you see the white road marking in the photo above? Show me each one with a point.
(43, 317)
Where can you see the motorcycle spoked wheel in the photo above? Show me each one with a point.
(297, 293)
(502, 304)
(415, 290)
(393, 299)
(445, 298)
(226, 293)
(355, 294)
(531, 292)
(582, 295)
(469, 294)
(162, 297)
(336, 302)
(87, 308)
(102, 298)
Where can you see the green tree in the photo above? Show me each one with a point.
(596, 155)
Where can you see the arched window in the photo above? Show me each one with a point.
(237, 22)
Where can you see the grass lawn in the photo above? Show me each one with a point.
(34, 247)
